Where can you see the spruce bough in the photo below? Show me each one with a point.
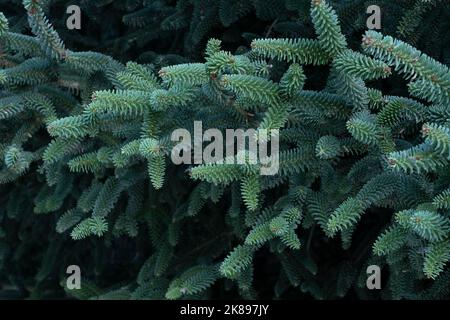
(85, 160)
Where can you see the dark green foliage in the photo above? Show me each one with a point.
(86, 175)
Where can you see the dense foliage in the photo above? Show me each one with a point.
(86, 177)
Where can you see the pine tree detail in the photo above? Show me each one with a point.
(111, 155)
